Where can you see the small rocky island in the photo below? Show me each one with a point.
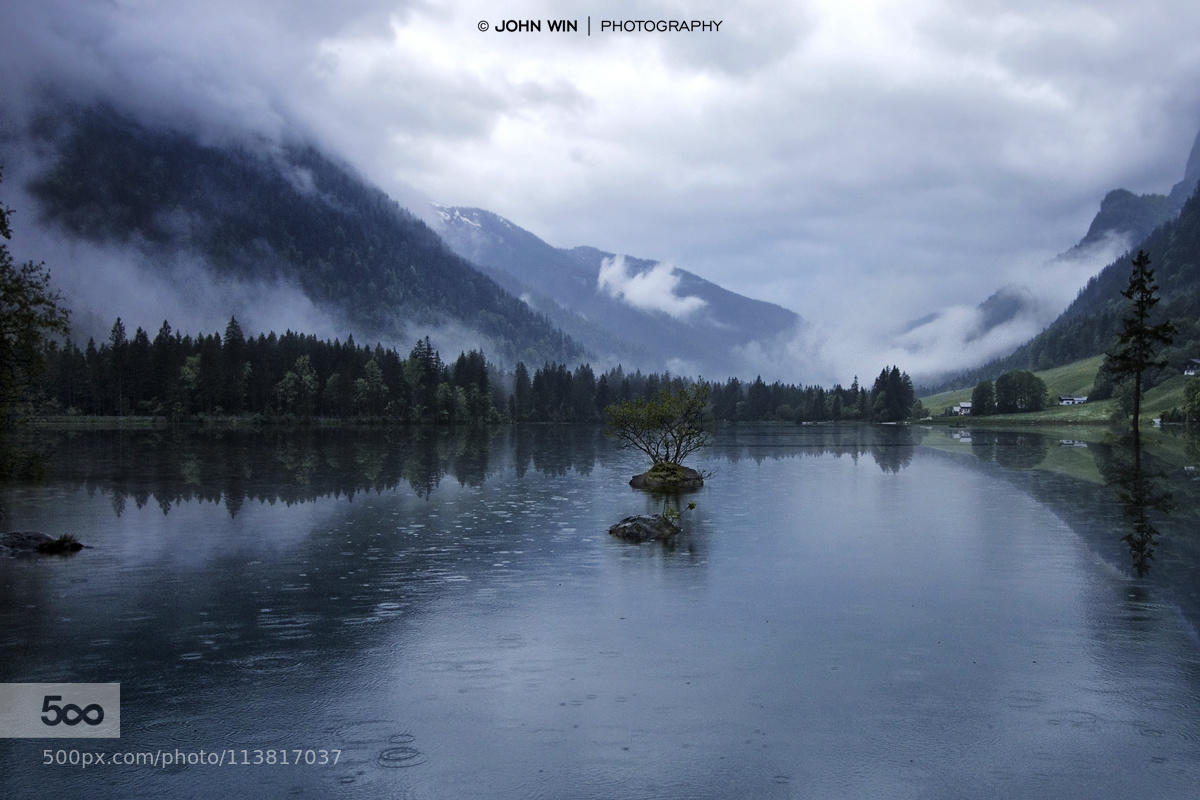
(668, 477)
(645, 528)
(667, 428)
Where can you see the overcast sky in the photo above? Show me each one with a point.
(862, 163)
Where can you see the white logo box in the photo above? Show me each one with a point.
(60, 710)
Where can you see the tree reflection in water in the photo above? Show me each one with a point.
(1140, 490)
(284, 465)
(1010, 449)
(891, 446)
(289, 465)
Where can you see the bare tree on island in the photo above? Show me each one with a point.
(667, 428)
(1139, 341)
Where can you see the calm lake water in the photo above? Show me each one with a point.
(852, 612)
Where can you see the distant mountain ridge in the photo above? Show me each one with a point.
(622, 308)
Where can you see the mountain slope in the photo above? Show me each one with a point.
(642, 313)
(1126, 214)
(260, 212)
(529, 268)
(1167, 227)
(1089, 326)
(1005, 305)
(1183, 190)
(1135, 217)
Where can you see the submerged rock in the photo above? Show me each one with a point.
(667, 477)
(644, 528)
(15, 542)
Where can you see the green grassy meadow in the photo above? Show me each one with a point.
(1075, 378)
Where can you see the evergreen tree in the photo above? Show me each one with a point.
(758, 400)
(522, 393)
(725, 401)
(892, 396)
(164, 364)
(211, 377)
(1137, 344)
(118, 345)
(1191, 406)
(333, 397)
(91, 360)
(139, 388)
(235, 368)
(370, 392)
(583, 394)
(425, 373)
(603, 394)
(297, 390)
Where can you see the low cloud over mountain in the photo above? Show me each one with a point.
(652, 290)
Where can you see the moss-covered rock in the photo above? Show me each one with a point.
(644, 528)
(668, 477)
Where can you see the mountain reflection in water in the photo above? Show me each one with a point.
(298, 465)
(851, 611)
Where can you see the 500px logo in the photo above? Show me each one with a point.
(91, 714)
(60, 710)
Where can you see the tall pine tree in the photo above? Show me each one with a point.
(1139, 341)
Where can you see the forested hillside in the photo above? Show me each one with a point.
(276, 211)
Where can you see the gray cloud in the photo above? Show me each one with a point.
(863, 165)
(101, 282)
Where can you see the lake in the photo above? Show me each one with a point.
(851, 611)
